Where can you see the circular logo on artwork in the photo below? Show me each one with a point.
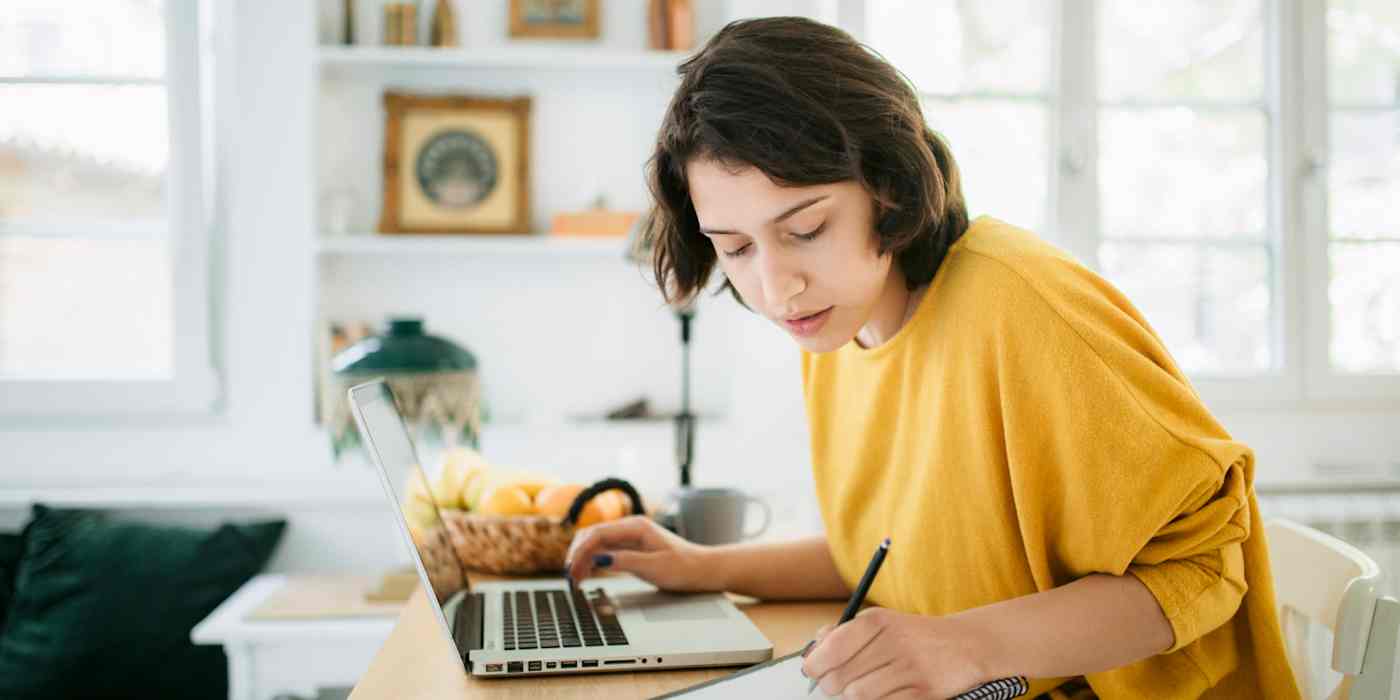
(456, 168)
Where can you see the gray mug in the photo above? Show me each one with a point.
(717, 515)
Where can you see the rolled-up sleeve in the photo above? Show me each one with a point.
(1194, 566)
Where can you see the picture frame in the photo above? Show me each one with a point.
(456, 164)
(556, 19)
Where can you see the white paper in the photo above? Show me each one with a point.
(781, 680)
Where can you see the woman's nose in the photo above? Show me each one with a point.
(781, 280)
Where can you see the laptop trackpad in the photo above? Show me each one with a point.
(663, 607)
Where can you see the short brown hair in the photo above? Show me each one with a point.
(806, 104)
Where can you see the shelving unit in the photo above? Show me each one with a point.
(367, 244)
(337, 58)
(531, 304)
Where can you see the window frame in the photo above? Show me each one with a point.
(1295, 107)
(1080, 119)
(194, 386)
(1321, 380)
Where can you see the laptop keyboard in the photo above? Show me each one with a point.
(559, 619)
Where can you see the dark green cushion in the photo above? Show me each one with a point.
(103, 608)
(11, 548)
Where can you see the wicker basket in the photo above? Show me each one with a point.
(523, 544)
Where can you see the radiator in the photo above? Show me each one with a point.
(1366, 515)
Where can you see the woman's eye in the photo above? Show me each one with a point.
(736, 252)
(810, 234)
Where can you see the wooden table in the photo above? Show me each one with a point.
(418, 661)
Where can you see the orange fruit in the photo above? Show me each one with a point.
(533, 485)
(601, 508)
(506, 500)
(554, 501)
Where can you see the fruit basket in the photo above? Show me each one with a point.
(524, 544)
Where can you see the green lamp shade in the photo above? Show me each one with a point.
(434, 382)
(403, 348)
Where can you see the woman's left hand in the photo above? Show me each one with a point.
(886, 654)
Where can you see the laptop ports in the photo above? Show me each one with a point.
(536, 666)
(515, 667)
(494, 668)
(568, 664)
(549, 665)
(589, 663)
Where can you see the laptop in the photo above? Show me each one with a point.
(531, 627)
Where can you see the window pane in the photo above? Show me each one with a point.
(1179, 172)
(1363, 186)
(1363, 51)
(80, 309)
(67, 37)
(1186, 49)
(83, 152)
(1001, 150)
(1365, 296)
(950, 47)
(1210, 304)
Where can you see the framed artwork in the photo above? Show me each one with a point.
(554, 19)
(456, 164)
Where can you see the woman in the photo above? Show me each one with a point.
(1061, 504)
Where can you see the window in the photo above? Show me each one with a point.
(983, 72)
(1183, 164)
(1177, 149)
(1363, 184)
(102, 216)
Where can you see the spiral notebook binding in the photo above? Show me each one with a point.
(1002, 689)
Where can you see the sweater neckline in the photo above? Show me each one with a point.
(923, 308)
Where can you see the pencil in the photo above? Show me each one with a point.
(1002, 689)
(858, 596)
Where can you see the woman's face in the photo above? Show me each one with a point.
(804, 257)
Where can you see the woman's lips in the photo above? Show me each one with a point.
(808, 325)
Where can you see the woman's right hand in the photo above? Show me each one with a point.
(637, 545)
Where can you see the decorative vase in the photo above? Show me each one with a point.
(434, 380)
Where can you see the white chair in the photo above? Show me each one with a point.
(1321, 580)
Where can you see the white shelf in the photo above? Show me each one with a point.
(567, 58)
(363, 244)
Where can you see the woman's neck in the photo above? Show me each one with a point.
(892, 310)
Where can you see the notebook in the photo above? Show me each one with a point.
(782, 679)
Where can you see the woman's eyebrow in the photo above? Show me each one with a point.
(776, 220)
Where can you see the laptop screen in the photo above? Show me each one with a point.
(386, 440)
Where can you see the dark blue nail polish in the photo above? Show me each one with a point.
(602, 560)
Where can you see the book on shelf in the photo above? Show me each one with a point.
(671, 25)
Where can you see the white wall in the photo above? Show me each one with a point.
(556, 336)
(262, 454)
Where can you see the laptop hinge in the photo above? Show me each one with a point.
(468, 630)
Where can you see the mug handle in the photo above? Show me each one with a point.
(767, 516)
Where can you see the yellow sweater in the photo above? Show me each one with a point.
(1026, 428)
